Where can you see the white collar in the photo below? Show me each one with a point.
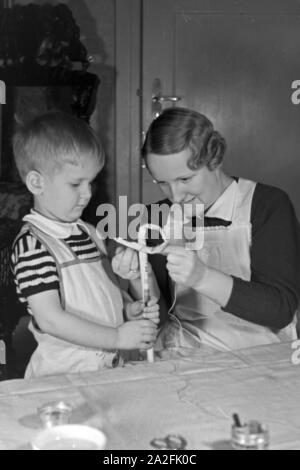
(223, 207)
(54, 227)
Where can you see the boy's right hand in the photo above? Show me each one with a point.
(137, 310)
(125, 263)
(139, 334)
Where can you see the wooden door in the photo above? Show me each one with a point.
(234, 61)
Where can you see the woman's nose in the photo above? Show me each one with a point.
(177, 194)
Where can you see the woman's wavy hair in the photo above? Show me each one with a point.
(177, 129)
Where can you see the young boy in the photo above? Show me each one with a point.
(59, 262)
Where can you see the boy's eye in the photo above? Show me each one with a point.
(75, 185)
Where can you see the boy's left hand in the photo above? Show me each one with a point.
(137, 310)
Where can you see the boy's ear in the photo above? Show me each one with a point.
(35, 182)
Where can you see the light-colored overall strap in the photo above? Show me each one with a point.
(243, 203)
(56, 247)
(96, 236)
(59, 256)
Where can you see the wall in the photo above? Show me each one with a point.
(247, 56)
(96, 20)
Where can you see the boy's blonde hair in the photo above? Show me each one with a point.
(53, 139)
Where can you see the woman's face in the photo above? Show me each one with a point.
(179, 183)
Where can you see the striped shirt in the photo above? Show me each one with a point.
(34, 268)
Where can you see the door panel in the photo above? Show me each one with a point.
(234, 61)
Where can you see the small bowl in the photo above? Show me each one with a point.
(69, 437)
(252, 435)
(55, 413)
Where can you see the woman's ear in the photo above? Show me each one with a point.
(35, 182)
(214, 164)
(216, 148)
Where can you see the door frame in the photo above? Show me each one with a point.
(128, 99)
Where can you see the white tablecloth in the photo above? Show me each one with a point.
(194, 395)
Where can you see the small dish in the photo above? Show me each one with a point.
(69, 437)
(55, 413)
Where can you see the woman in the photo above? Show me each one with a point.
(242, 288)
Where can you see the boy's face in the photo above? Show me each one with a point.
(67, 192)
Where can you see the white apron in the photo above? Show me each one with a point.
(88, 289)
(199, 320)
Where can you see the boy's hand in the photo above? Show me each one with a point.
(125, 263)
(140, 334)
(137, 310)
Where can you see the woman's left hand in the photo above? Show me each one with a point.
(184, 266)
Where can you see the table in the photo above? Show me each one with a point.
(193, 395)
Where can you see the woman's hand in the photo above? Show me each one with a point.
(125, 263)
(184, 266)
(137, 310)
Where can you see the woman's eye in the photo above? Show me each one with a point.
(75, 185)
(185, 180)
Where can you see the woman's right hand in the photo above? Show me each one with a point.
(125, 263)
(139, 334)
